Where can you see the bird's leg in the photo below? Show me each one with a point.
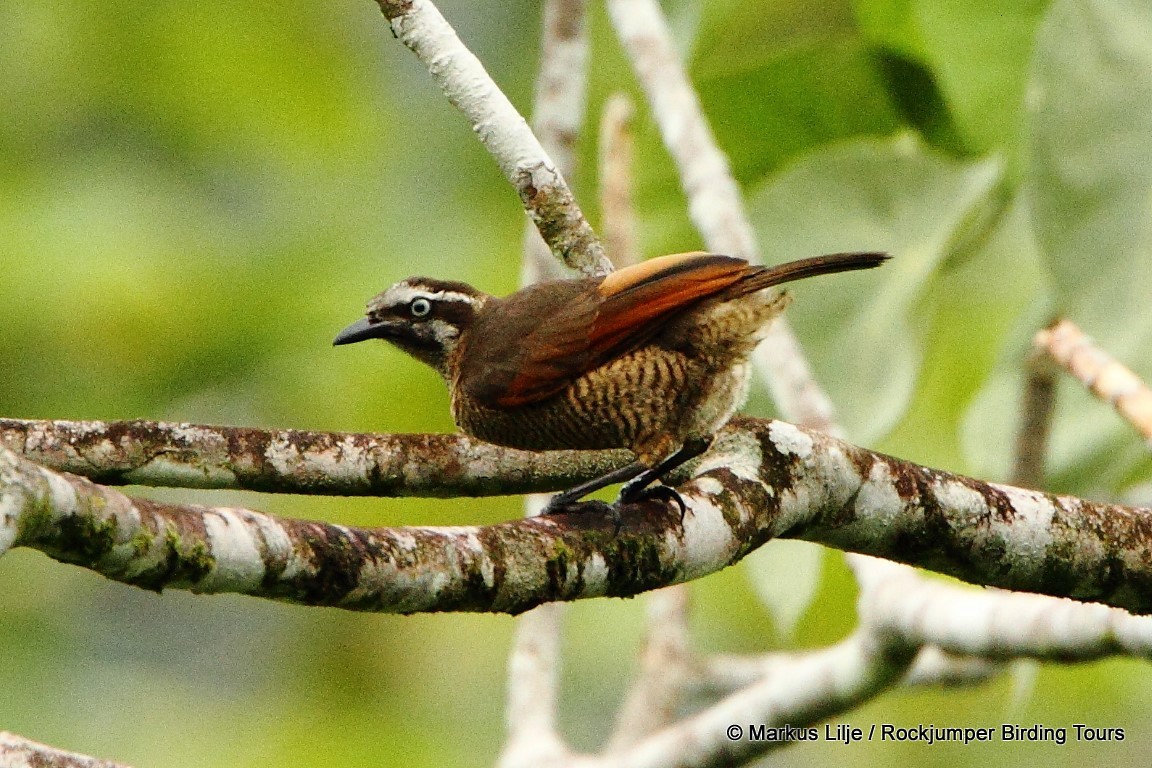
(638, 488)
(566, 501)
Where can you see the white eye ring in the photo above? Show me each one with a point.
(420, 307)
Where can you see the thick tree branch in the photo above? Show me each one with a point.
(292, 461)
(502, 131)
(762, 479)
(18, 752)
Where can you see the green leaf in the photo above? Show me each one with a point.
(895, 196)
(1090, 187)
(776, 84)
(977, 52)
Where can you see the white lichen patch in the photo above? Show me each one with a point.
(710, 485)
(961, 504)
(736, 451)
(182, 474)
(62, 492)
(595, 574)
(487, 567)
(708, 541)
(343, 460)
(277, 544)
(790, 440)
(10, 505)
(878, 500)
(239, 566)
(1029, 530)
(826, 481)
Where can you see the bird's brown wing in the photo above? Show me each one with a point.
(550, 336)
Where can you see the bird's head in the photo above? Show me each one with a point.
(422, 316)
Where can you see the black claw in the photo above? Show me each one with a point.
(560, 505)
(655, 493)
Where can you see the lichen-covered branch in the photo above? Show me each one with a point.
(502, 130)
(762, 479)
(292, 461)
(18, 752)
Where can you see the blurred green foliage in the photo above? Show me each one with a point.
(195, 196)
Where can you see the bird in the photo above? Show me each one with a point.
(652, 358)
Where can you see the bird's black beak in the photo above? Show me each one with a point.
(362, 330)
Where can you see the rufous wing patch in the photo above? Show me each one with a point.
(627, 309)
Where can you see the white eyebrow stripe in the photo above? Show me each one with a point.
(402, 293)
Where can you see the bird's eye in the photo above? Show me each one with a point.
(420, 307)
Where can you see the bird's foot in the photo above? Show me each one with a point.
(562, 504)
(654, 493)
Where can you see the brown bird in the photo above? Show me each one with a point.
(652, 357)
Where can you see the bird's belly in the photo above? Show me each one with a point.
(649, 401)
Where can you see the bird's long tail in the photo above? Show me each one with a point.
(759, 278)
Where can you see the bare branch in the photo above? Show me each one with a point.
(291, 461)
(502, 131)
(763, 479)
(817, 685)
(714, 200)
(721, 674)
(533, 677)
(1103, 375)
(665, 657)
(1002, 625)
(18, 752)
(558, 113)
(616, 210)
(1039, 403)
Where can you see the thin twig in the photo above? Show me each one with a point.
(815, 687)
(618, 217)
(721, 674)
(1100, 373)
(502, 131)
(654, 697)
(1036, 409)
(558, 113)
(534, 681)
